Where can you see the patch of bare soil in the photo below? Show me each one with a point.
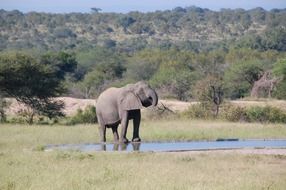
(71, 105)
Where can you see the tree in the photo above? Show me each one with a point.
(211, 63)
(4, 104)
(275, 39)
(102, 75)
(61, 63)
(125, 22)
(279, 70)
(209, 91)
(92, 83)
(140, 69)
(35, 82)
(174, 79)
(96, 10)
(240, 77)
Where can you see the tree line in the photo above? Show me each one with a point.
(175, 73)
(190, 28)
(185, 53)
(208, 77)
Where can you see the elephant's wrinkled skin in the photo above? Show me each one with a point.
(119, 105)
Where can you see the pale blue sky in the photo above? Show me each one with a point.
(65, 6)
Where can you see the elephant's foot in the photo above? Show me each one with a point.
(137, 139)
(124, 140)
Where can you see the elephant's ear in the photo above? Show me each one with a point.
(130, 102)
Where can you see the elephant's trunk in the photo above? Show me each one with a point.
(154, 97)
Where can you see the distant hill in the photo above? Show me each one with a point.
(190, 28)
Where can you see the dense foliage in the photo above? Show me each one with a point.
(34, 82)
(88, 115)
(184, 53)
(190, 28)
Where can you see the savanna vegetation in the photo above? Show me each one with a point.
(185, 53)
(189, 54)
(190, 28)
(209, 77)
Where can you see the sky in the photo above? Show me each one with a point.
(124, 6)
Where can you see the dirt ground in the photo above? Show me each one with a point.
(73, 104)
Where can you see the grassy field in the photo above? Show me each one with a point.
(24, 164)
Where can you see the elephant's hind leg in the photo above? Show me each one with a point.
(102, 130)
(124, 126)
(102, 133)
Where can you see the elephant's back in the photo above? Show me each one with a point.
(108, 96)
(106, 105)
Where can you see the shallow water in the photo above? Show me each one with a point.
(172, 146)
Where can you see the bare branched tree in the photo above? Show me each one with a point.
(164, 109)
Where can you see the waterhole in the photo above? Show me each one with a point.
(172, 146)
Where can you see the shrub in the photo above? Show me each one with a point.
(256, 114)
(3, 107)
(88, 115)
(199, 111)
(265, 114)
(237, 113)
(233, 113)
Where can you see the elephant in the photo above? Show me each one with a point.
(116, 106)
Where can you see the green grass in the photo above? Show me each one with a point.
(209, 130)
(24, 164)
(74, 170)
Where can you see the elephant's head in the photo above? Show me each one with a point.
(137, 95)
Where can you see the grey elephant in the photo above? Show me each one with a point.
(119, 105)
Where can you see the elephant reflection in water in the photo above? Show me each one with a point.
(121, 146)
(119, 105)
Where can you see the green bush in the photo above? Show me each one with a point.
(265, 114)
(256, 114)
(16, 120)
(238, 114)
(233, 113)
(3, 107)
(198, 111)
(88, 115)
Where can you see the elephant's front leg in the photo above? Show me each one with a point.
(124, 126)
(136, 124)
